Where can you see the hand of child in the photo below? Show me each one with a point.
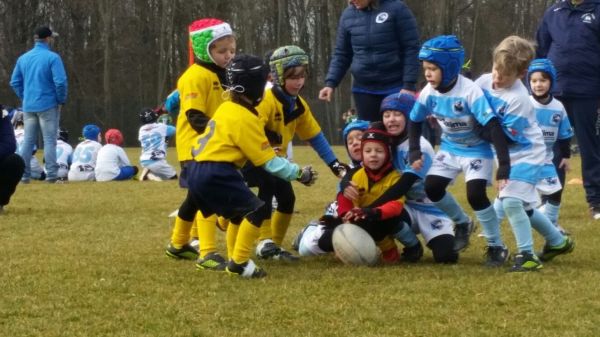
(361, 214)
(352, 192)
(307, 175)
(339, 169)
(565, 164)
(417, 165)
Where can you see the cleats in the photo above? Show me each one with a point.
(525, 261)
(195, 243)
(462, 232)
(496, 256)
(267, 249)
(186, 252)
(246, 270)
(212, 261)
(550, 252)
(412, 254)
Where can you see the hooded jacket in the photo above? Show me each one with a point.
(380, 44)
(570, 37)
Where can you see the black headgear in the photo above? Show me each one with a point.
(148, 115)
(247, 75)
(63, 134)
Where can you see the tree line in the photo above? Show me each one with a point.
(121, 56)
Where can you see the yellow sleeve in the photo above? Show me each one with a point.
(250, 138)
(307, 127)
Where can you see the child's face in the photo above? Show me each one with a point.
(503, 79)
(353, 144)
(373, 155)
(433, 74)
(295, 82)
(394, 122)
(540, 84)
(222, 51)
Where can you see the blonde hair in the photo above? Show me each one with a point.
(513, 55)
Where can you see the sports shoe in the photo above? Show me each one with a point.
(412, 254)
(595, 212)
(195, 243)
(550, 252)
(267, 249)
(462, 232)
(153, 177)
(247, 269)
(298, 238)
(525, 261)
(212, 261)
(186, 252)
(143, 174)
(496, 256)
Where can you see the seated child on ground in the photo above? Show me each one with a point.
(85, 154)
(152, 137)
(113, 163)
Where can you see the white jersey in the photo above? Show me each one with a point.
(152, 138)
(513, 107)
(110, 160)
(35, 168)
(84, 160)
(459, 112)
(554, 122)
(64, 155)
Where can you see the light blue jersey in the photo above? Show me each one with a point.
(458, 112)
(527, 149)
(552, 119)
(152, 138)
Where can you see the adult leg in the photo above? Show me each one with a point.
(31, 125)
(49, 125)
(367, 106)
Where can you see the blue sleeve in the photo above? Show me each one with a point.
(321, 145)
(16, 81)
(172, 103)
(59, 76)
(342, 55)
(282, 168)
(409, 44)
(170, 131)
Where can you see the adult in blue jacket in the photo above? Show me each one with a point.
(569, 35)
(40, 81)
(11, 164)
(379, 41)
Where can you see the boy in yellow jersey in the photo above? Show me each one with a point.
(233, 136)
(201, 92)
(286, 114)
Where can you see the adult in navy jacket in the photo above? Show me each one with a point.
(379, 41)
(11, 164)
(569, 35)
(40, 81)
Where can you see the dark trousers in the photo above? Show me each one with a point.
(11, 171)
(585, 119)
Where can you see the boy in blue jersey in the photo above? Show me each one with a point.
(556, 128)
(510, 100)
(462, 111)
(233, 136)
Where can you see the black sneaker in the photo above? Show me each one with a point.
(186, 252)
(247, 270)
(267, 249)
(212, 261)
(496, 256)
(412, 254)
(526, 262)
(462, 232)
(550, 252)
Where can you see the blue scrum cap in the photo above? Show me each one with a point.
(91, 131)
(543, 65)
(446, 52)
(398, 102)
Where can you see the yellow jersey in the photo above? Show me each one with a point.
(199, 89)
(373, 190)
(233, 135)
(299, 122)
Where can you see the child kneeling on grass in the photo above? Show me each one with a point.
(113, 163)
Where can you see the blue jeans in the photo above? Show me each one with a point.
(47, 121)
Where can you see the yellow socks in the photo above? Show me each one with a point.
(279, 226)
(207, 233)
(181, 233)
(265, 230)
(247, 235)
(232, 233)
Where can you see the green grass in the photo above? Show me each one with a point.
(87, 259)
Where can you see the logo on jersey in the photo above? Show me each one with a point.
(440, 157)
(556, 118)
(216, 85)
(551, 181)
(455, 125)
(588, 17)
(475, 164)
(436, 224)
(502, 109)
(381, 17)
(278, 117)
(458, 106)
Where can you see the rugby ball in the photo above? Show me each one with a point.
(354, 246)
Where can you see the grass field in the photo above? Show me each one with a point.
(87, 259)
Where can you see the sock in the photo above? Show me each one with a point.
(542, 225)
(491, 225)
(247, 235)
(499, 210)
(406, 236)
(207, 233)
(449, 205)
(232, 233)
(222, 223)
(181, 233)
(551, 212)
(279, 226)
(520, 224)
(265, 230)
(194, 230)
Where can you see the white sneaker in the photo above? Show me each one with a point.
(153, 177)
(143, 174)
